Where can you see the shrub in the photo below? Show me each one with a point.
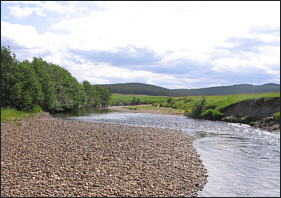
(198, 107)
(208, 114)
(217, 115)
(36, 109)
(188, 100)
(277, 116)
(211, 114)
(169, 100)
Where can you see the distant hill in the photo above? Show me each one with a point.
(146, 89)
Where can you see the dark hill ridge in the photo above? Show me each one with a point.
(146, 89)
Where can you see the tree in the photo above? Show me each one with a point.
(48, 86)
(105, 94)
(25, 84)
(8, 64)
(27, 90)
(93, 96)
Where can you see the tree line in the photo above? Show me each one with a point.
(146, 89)
(25, 85)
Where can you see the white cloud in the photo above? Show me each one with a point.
(162, 27)
(23, 35)
(56, 7)
(20, 12)
(193, 31)
(51, 6)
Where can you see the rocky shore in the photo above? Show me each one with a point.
(255, 113)
(159, 110)
(46, 156)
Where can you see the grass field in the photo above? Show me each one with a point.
(186, 104)
(121, 99)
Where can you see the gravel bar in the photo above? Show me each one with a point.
(46, 156)
(159, 110)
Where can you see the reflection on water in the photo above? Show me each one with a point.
(241, 160)
(81, 112)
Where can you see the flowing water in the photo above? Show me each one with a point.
(241, 160)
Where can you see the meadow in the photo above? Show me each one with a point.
(186, 104)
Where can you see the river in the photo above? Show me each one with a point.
(241, 160)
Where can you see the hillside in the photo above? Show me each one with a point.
(138, 89)
(146, 89)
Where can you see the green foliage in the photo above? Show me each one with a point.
(277, 116)
(105, 94)
(198, 107)
(36, 109)
(169, 100)
(9, 114)
(69, 94)
(207, 115)
(135, 101)
(41, 68)
(27, 86)
(93, 96)
(211, 114)
(217, 115)
(20, 85)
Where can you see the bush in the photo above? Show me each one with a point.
(36, 109)
(198, 107)
(208, 114)
(217, 115)
(277, 116)
(169, 100)
(211, 114)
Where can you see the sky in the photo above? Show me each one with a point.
(172, 44)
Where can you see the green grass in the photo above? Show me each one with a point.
(217, 103)
(124, 99)
(220, 102)
(10, 114)
(277, 116)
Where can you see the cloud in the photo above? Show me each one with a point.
(40, 8)
(20, 12)
(170, 44)
(56, 7)
(129, 56)
(250, 44)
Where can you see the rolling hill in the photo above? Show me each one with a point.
(146, 89)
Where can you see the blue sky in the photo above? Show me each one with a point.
(182, 44)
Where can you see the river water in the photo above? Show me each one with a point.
(240, 160)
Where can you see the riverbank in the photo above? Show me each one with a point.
(45, 156)
(255, 113)
(149, 109)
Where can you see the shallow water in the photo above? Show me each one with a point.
(241, 160)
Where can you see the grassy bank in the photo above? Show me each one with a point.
(212, 105)
(219, 102)
(10, 114)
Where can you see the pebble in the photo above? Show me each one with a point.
(56, 157)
